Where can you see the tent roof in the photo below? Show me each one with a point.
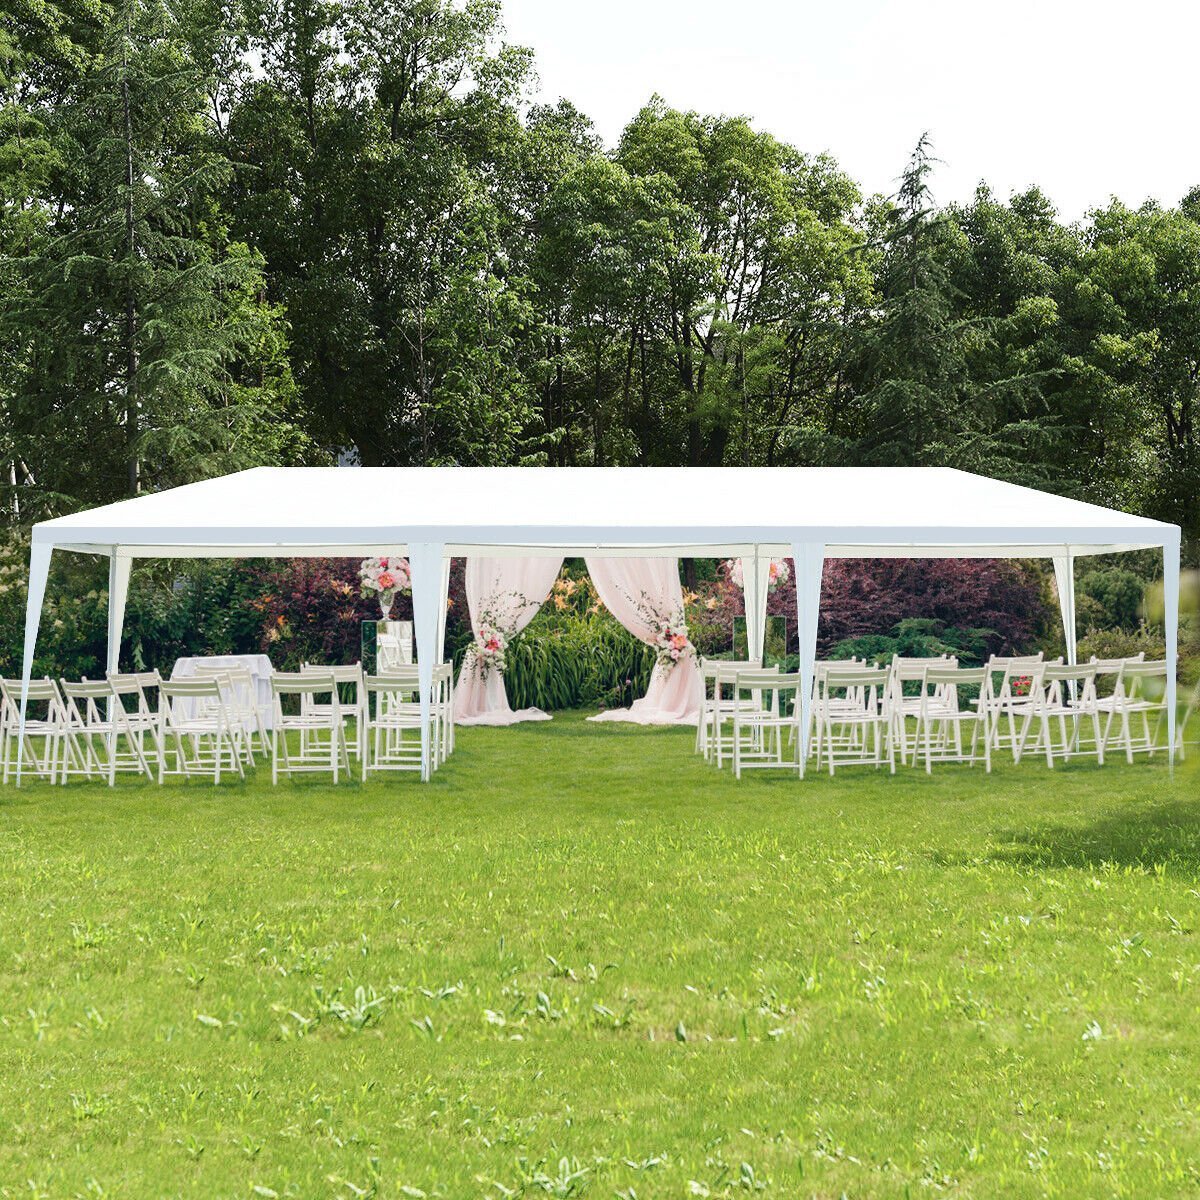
(852, 510)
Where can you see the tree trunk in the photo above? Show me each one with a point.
(133, 467)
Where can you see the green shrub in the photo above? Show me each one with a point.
(919, 637)
(572, 661)
(1109, 597)
(1122, 643)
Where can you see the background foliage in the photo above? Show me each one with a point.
(278, 231)
(297, 230)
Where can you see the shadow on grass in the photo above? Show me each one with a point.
(1163, 835)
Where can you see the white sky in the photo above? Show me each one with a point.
(1088, 100)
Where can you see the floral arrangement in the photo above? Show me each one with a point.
(671, 640)
(488, 652)
(779, 573)
(384, 577)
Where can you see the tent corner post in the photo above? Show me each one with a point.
(809, 561)
(1064, 579)
(425, 560)
(39, 572)
(119, 565)
(756, 573)
(1171, 630)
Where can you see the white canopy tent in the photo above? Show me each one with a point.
(757, 513)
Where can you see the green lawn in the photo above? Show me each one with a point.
(582, 963)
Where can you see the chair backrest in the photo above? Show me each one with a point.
(942, 676)
(998, 663)
(191, 687)
(1113, 666)
(826, 666)
(1137, 674)
(87, 689)
(1145, 668)
(303, 683)
(44, 689)
(770, 678)
(403, 684)
(726, 669)
(857, 677)
(913, 669)
(131, 683)
(1059, 672)
(344, 673)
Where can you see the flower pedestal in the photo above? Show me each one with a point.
(386, 644)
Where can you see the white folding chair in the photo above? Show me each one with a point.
(390, 719)
(319, 725)
(1190, 712)
(194, 727)
(765, 712)
(443, 691)
(44, 725)
(349, 680)
(855, 725)
(98, 737)
(706, 721)
(940, 717)
(1012, 697)
(240, 694)
(907, 704)
(1141, 693)
(137, 693)
(829, 702)
(718, 712)
(1064, 695)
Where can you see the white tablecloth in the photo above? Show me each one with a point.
(259, 666)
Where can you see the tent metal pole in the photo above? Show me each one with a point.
(119, 565)
(1171, 624)
(425, 563)
(39, 571)
(809, 559)
(1064, 578)
(755, 579)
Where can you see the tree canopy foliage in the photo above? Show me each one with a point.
(319, 230)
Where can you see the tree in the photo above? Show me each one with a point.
(144, 353)
(1140, 356)
(366, 181)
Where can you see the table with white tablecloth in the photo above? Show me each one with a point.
(259, 666)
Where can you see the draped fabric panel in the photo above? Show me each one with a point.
(507, 592)
(641, 592)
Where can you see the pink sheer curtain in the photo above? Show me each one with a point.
(638, 592)
(509, 591)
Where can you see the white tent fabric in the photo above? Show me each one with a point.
(434, 513)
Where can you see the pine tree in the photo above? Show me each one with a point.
(147, 350)
(920, 400)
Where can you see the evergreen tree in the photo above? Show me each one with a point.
(144, 353)
(921, 401)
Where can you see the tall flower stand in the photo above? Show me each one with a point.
(386, 644)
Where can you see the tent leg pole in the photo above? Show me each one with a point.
(425, 563)
(755, 580)
(1171, 625)
(39, 570)
(118, 593)
(1064, 578)
(809, 560)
